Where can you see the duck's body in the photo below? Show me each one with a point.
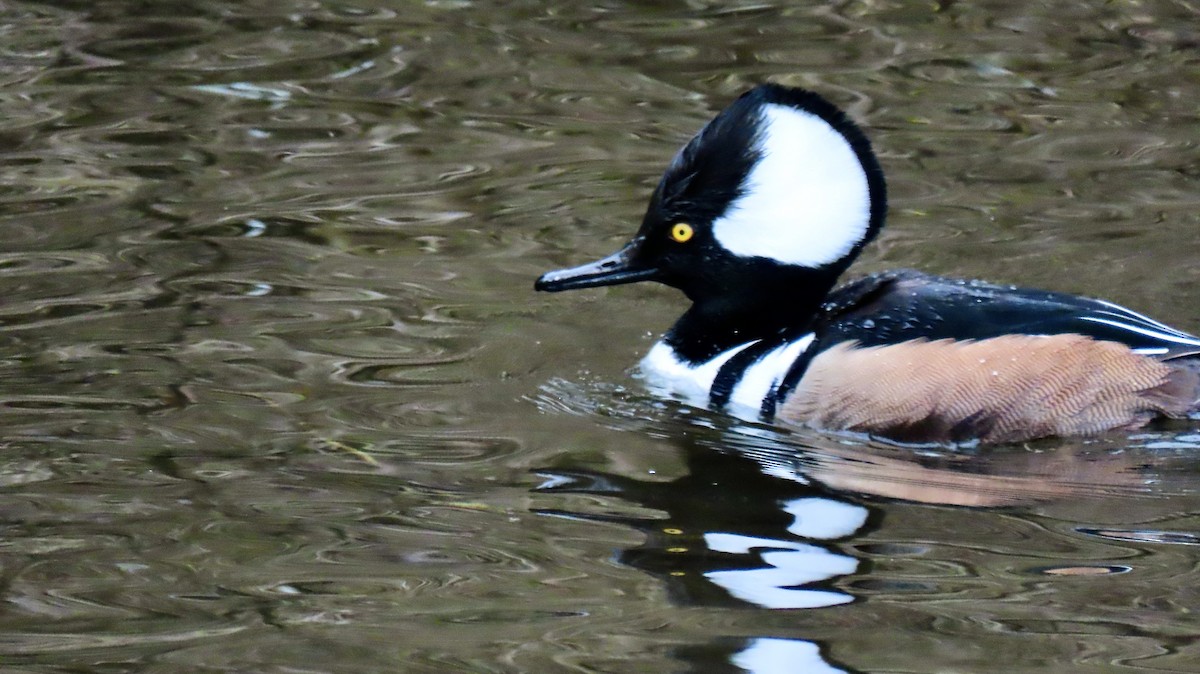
(919, 358)
(756, 219)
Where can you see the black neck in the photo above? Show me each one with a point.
(778, 305)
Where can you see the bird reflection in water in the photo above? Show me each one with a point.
(757, 522)
(733, 535)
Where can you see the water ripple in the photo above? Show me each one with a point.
(274, 382)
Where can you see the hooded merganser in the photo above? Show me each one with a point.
(757, 217)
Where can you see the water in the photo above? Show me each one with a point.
(277, 395)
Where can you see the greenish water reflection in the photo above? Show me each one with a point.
(277, 395)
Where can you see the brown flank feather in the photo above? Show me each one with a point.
(1005, 389)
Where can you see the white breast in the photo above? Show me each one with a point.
(668, 375)
(762, 377)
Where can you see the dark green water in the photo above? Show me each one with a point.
(276, 394)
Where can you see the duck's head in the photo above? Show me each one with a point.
(776, 195)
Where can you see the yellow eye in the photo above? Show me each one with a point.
(681, 232)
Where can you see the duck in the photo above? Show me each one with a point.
(757, 218)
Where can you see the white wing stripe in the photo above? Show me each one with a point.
(1118, 309)
(1164, 336)
(1156, 327)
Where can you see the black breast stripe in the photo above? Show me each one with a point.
(787, 384)
(733, 369)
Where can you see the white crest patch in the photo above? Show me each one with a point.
(806, 202)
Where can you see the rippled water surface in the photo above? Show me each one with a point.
(277, 395)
